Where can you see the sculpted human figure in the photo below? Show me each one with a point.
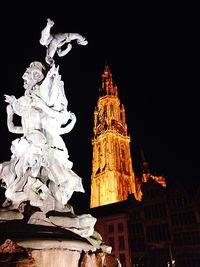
(40, 154)
(54, 42)
(14, 173)
(39, 171)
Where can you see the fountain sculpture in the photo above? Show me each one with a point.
(38, 179)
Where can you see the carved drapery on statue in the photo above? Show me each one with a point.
(40, 166)
(39, 173)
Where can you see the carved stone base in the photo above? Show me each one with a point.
(23, 233)
(13, 254)
(26, 245)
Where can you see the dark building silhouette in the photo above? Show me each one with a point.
(161, 228)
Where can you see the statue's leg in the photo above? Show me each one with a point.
(45, 36)
(45, 33)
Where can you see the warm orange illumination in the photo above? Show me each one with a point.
(112, 177)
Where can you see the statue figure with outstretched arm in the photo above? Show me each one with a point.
(54, 42)
(39, 173)
(40, 155)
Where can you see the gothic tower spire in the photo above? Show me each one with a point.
(112, 177)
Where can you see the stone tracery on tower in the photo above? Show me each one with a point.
(113, 178)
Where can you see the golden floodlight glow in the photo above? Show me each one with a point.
(113, 178)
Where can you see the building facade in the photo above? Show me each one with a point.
(161, 229)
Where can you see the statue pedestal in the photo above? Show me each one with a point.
(25, 245)
(53, 254)
(56, 257)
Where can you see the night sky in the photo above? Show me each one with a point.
(153, 51)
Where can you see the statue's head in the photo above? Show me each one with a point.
(33, 75)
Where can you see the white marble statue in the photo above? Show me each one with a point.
(40, 167)
(39, 173)
(54, 42)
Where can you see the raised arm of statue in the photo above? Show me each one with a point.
(54, 42)
(70, 125)
(11, 127)
(10, 112)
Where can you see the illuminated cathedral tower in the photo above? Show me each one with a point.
(112, 173)
(112, 177)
